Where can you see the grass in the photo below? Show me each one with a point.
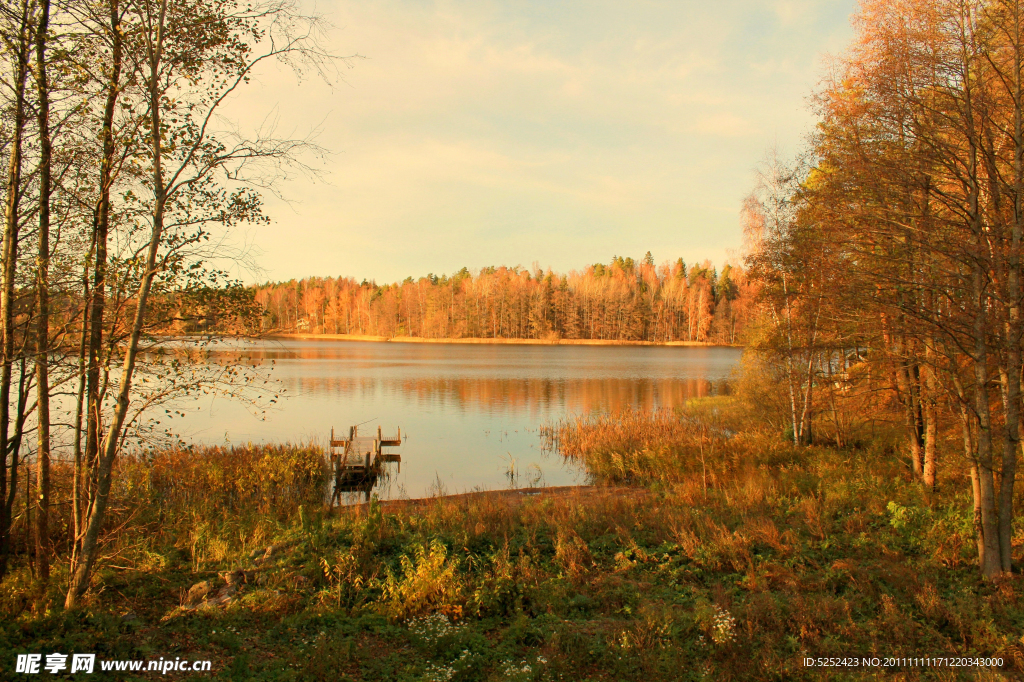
(736, 557)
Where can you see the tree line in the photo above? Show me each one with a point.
(119, 187)
(889, 251)
(625, 300)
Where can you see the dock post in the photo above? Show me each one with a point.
(334, 473)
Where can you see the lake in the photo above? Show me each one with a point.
(470, 414)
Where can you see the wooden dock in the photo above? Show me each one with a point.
(358, 461)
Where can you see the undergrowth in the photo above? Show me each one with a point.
(734, 557)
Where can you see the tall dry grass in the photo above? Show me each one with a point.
(209, 502)
(640, 447)
(214, 503)
(227, 482)
(825, 552)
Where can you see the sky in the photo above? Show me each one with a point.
(547, 132)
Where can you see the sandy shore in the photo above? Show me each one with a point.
(518, 494)
(513, 342)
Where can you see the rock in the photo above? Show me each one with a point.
(260, 556)
(206, 595)
(235, 577)
(238, 577)
(222, 596)
(267, 554)
(198, 592)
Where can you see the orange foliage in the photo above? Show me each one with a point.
(624, 301)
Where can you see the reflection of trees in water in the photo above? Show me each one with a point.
(521, 394)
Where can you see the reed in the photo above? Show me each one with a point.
(227, 482)
(207, 504)
(641, 447)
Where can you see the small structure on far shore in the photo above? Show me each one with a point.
(358, 461)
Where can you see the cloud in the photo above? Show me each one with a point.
(486, 132)
(726, 125)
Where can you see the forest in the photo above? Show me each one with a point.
(626, 300)
(893, 243)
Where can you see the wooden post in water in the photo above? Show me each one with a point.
(368, 460)
(334, 472)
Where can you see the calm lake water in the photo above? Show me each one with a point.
(468, 413)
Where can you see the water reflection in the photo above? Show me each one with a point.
(470, 413)
(532, 396)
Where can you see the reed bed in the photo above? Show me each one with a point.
(203, 505)
(213, 503)
(227, 482)
(578, 437)
(640, 447)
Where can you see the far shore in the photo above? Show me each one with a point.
(499, 341)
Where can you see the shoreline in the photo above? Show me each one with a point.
(492, 341)
(500, 496)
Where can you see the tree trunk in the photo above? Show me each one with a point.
(42, 303)
(1013, 322)
(989, 562)
(909, 397)
(82, 573)
(97, 305)
(9, 264)
(931, 420)
(79, 486)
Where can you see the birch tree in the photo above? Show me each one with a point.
(190, 57)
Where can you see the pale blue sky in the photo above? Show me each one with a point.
(563, 133)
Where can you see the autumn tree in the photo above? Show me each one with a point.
(914, 189)
(189, 57)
